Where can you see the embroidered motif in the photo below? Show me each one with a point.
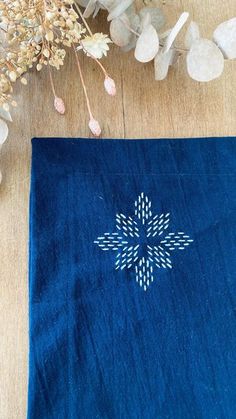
(137, 244)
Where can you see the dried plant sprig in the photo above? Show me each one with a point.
(109, 83)
(132, 28)
(58, 101)
(93, 123)
(36, 33)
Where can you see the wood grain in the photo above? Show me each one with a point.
(143, 108)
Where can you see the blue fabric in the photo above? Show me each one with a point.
(132, 282)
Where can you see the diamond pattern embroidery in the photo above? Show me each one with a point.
(141, 242)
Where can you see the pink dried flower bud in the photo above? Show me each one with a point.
(95, 127)
(59, 105)
(110, 86)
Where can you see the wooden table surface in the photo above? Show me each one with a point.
(143, 108)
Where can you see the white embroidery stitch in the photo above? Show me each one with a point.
(132, 241)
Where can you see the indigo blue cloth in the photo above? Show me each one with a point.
(132, 286)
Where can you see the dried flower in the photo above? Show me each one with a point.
(23, 80)
(95, 127)
(110, 86)
(12, 76)
(96, 45)
(37, 35)
(39, 67)
(59, 105)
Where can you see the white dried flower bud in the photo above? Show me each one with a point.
(12, 76)
(46, 52)
(39, 66)
(49, 36)
(50, 15)
(23, 81)
(5, 107)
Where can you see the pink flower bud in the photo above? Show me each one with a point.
(110, 86)
(59, 105)
(95, 127)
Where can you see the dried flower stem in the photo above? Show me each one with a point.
(129, 27)
(138, 35)
(51, 81)
(83, 83)
(95, 59)
(83, 19)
